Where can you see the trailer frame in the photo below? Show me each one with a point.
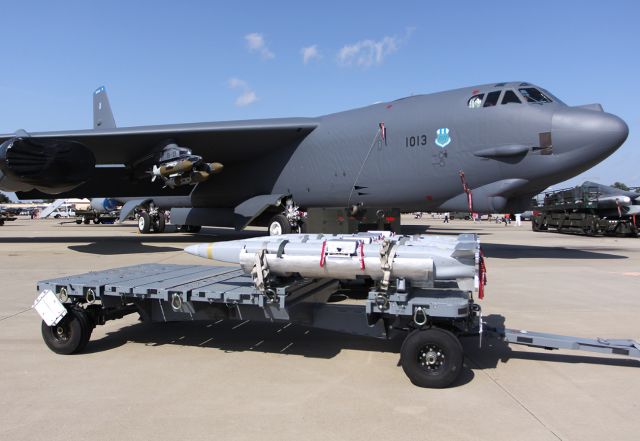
(432, 318)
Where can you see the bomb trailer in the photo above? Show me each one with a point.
(587, 209)
(406, 294)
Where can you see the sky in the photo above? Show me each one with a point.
(192, 61)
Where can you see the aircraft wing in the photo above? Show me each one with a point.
(222, 141)
(118, 150)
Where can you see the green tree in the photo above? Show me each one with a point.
(620, 186)
(4, 199)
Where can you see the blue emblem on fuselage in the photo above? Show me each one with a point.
(442, 137)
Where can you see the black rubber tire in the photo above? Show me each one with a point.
(86, 220)
(87, 325)
(79, 221)
(159, 223)
(144, 222)
(449, 358)
(282, 221)
(72, 334)
(96, 220)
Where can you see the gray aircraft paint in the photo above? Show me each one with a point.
(341, 159)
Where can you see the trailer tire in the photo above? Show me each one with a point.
(78, 221)
(96, 220)
(432, 358)
(144, 223)
(67, 336)
(278, 225)
(87, 326)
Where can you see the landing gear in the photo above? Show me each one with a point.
(432, 357)
(144, 222)
(291, 220)
(279, 224)
(151, 218)
(159, 222)
(70, 335)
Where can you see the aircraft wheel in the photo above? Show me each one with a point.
(432, 358)
(67, 336)
(144, 223)
(279, 224)
(159, 223)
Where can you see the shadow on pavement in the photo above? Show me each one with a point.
(506, 251)
(236, 336)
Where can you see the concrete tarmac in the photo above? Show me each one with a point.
(247, 381)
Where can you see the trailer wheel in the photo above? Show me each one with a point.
(96, 220)
(78, 221)
(432, 358)
(67, 336)
(279, 224)
(87, 327)
(144, 223)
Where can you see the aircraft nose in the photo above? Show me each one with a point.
(575, 128)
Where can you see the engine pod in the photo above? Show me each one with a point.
(49, 165)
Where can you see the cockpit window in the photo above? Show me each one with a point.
(510, 97)
(533, 95)
(492, 98)
(475, 101)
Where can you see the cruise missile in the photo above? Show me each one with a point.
(416, 259)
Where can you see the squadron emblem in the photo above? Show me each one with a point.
(442, 137)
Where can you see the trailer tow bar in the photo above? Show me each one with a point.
(624, 347)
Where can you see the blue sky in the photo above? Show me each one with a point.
(189, 61)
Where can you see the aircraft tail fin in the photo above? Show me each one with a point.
(102, 115)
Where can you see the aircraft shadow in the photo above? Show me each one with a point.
(495, 350)
(135, 243)
(506, 251)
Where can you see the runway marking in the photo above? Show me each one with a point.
(205, 342)
(221, 320)
(181, 338)
(257, 344)
(243, 323)
(286, 347)
(513, 397)
(209, 325)
(307, 332)
(13, 315)
(284, 327)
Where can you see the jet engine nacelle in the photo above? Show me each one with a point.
(104, 205)
(50, 166)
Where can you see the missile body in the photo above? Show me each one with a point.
(173, 168)
(417, 259)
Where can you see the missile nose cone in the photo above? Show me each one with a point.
(216, 167)
(576, 128)
(193, 249)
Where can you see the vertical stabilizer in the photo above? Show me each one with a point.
(102, 116)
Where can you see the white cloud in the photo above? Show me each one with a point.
(247, 97)
(256, 43)
(367, 53)
(310, 53)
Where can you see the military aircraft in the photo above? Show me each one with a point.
(489, 148)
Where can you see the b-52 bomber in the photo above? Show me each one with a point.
(486, 148)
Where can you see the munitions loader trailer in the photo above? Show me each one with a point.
(432, 318)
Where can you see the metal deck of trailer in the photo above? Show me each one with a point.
(160, 292)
